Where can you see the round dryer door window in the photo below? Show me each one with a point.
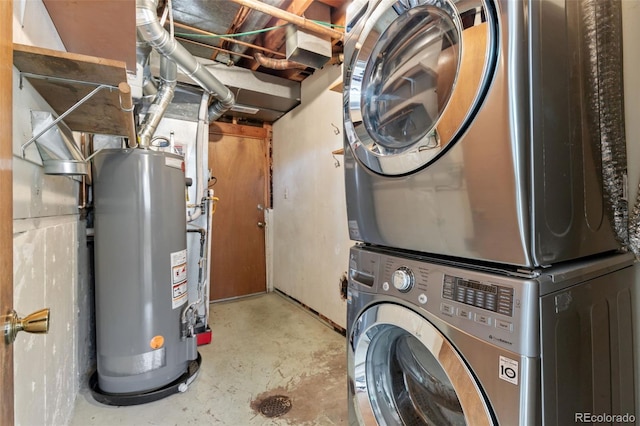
(417, 75)
(407, 372)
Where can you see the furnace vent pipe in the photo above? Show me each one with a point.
(152, 32)
(168, 76)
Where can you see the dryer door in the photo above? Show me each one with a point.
(406, 372)
(418, 73)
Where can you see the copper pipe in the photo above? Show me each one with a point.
(299, 21)
(277, 64)
(230, 39)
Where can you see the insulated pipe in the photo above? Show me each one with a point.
(277, 64)
(152, 32)
(168, 75)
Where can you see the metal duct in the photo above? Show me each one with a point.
(142, 56)
(602, 50)
(168, 73)
(152, 32)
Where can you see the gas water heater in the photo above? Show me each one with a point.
(143, 353)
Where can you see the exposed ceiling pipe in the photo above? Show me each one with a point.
(277, 64)
(229, 39)
(168, 77)
(152, 32)
(299, 21)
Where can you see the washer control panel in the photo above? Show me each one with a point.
(496, 308)
(483, 295)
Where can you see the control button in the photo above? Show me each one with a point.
(483, 319)
(470, 296)
(447, 309)
(385, 286)
(464, 313)
(504, 325)
(402, 279)
(422, 298)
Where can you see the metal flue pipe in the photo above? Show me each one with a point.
(152, 32)
(168, 76)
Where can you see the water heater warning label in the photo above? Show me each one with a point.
(178, 278)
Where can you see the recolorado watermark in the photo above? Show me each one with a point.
(604, 418)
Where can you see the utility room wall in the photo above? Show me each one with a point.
(50, 255)
(310, 237)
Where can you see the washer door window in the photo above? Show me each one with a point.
(407, 372)
(418, 73)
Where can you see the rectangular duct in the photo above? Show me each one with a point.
(306, 47)
(271, 96)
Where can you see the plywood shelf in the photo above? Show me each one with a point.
(63, 79)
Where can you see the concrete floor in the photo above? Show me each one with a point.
(262, 346)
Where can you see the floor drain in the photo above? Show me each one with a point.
(274, 406)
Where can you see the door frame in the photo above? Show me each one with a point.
(263, 134)
(6, 204)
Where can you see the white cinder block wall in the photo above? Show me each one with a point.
(47, 236)
(310, 237)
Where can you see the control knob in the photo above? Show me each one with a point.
(402, 279)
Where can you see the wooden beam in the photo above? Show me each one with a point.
(229, 129)
(294, 19)
(275, 40)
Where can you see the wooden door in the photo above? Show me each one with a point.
(6, 206)
(239, 160)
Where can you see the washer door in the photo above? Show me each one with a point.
(418, 73)
(407, 372)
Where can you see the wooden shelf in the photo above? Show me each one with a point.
(69, 74)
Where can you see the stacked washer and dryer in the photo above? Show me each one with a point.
(485, 169)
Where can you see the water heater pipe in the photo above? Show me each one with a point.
(152, 32)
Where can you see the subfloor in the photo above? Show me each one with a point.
(262, 346)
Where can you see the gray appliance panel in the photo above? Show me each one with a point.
(582, 310)
(523, 185)
(511, 323)
(588, 349)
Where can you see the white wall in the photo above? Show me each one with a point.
(631, 34)
(310, 237)
(47, 236)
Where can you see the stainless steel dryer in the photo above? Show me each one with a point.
(486, 130)
(436, 344)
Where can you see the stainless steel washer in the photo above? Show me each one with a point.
(474, 128)
(435, 344)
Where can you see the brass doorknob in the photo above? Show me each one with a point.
(37, 322)
(261, 224)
